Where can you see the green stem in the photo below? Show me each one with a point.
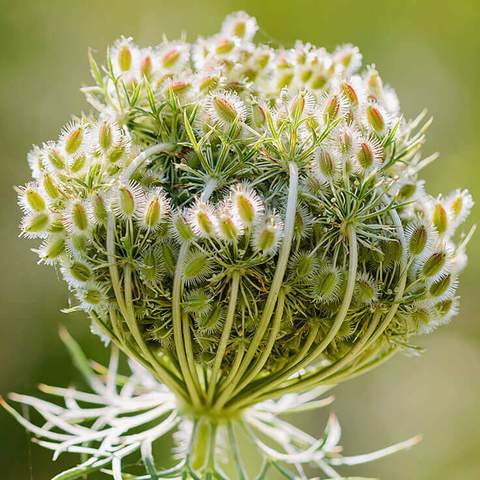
(178, 327)
(142, 157)
(277, 379)
(270, 343)
(129, 315)
(225, 335)
(282, 262)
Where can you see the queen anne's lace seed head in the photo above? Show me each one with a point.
(232, 211)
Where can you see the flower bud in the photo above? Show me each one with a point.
(267, 235)
(128, 199)
(226, 108)
(229, 227)
(155, 210)
(376, 118)
(202, 220)
(246, 204)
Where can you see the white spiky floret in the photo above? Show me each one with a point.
(154, 210)
(246, 204)
(348, 56)
(225, 108)
(201, 218)
(173, 56)
(127, 200)
(459, 204)
(240, 25)
(267, 234)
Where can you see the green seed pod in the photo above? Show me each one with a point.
(326, 165)
(440, 218)
(302, 266)
(124, 57)
(50, 186)
(441, 286)
(55, 158)
(327, 285)
(53, 248)
(99, 209)
(365, 289)
(73, 140)
(79, 242)
(197, 267)
(267, 235)
(168, 257)
(419, 237)
(213, 321)
(376, 119)
(182, 229)
(434, 264)
(197, 303)
(105, 135)
(91, 298)
(32, 199)
(246, 204)
(79, 217)
(151, 266)
(79, 272)
(78, 163)
(392, 251)
(36, 224)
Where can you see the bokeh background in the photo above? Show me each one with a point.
(429, 50)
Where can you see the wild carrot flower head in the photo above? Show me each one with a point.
(231, 214)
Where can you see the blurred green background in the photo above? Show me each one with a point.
(429, 51)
